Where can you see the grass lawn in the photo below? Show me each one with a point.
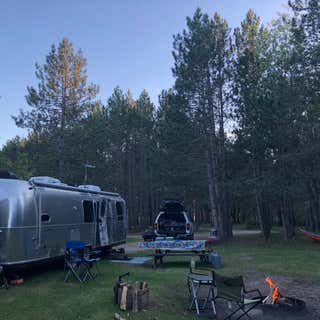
(45, 296)
(134, 239)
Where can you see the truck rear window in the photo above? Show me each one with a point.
(173, 206)
(171, 217)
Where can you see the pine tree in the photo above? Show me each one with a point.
(62, 99)
(201, 54)
(251, 112)
(306, 82)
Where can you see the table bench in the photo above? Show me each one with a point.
(160, 254)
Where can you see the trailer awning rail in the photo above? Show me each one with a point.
(71, 188)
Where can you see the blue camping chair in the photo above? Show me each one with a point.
(74, 261)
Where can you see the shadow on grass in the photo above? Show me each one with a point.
(184, 264)
(35, 270)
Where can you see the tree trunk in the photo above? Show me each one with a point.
(264, 215)
(61, 164)
(263, 210)
(132, 213)
(212, 193)
(279, 215)
(226, 223)
(212, 159)
(314, 204)
(287, 217)
(152, 198)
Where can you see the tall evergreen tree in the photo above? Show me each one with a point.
(306, 82)
(62, 99)
(130, 126)
(251, 112)
(14, 157)
(200, 54)
(180, 157)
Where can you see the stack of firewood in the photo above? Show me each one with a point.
(132, 297)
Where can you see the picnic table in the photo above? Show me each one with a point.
(176, 247)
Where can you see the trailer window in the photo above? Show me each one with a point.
(88, 211)
(97, 208)
(45, 218)
(103, 208)
(119, 211)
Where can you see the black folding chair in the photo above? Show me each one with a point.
(232, 289)
(91, 259)
(201, 291)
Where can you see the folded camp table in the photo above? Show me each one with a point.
(184, 248)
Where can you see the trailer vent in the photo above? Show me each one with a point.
(44, 179)
(90, 187)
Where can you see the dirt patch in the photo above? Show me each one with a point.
(290, 287)
(300, 289)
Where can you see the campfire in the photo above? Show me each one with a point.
(278, 300)
(274, 293)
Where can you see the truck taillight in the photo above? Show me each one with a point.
(188, 226)
(155, 226)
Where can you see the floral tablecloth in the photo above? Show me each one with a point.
(192, 245)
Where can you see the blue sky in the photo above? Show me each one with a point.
(126, 42)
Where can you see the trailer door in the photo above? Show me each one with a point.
(102, 224)
(120, 229)
(88, 231)
(110, 222)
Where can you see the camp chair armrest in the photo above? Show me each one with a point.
(88, 247)
(253, 290)
(202, 270)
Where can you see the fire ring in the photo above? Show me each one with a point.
(276, 301)
(285, 304)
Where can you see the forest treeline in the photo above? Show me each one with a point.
(236, 137)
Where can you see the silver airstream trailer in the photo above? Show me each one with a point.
(38, 217)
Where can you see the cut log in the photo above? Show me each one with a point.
(123, 302)
(135, 298)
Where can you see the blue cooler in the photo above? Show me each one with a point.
(215, 260)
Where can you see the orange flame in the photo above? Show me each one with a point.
(269, 282)
(275, 294)
(274, 288)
